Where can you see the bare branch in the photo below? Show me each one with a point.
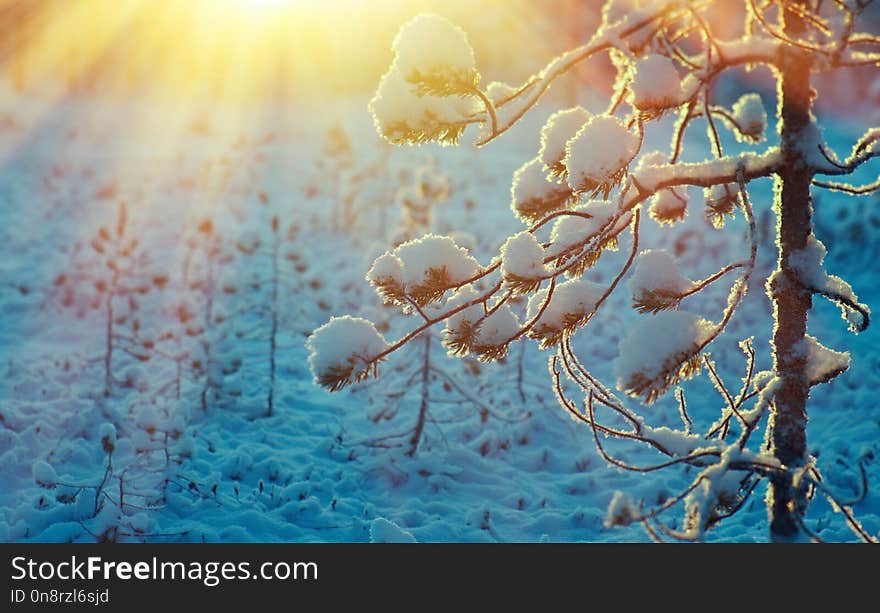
(490, 108)
(682, 410)
(775, 32)
(846, 188)
(853, 523)
(863, 151)
(729, 54)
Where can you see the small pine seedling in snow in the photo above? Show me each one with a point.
(113, 279)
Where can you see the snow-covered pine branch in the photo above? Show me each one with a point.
(431, 93)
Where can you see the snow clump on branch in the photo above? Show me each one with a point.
(421, 270)
(808, 265)
(656, 284)
(656, 85)
(659, 352)
(532, 195)
(522, 260)
(585, 223)
(597, 156)
(561, 127)
(750, 117)
(428, 92)
(571, 306)
(343, 351)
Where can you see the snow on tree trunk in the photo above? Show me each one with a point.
(791, 301)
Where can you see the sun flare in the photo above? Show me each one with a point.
(262, 5)
(229, 50)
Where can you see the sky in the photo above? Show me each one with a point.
(242, 49)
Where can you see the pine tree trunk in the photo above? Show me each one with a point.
(791, 302)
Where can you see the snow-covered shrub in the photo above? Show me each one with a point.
(232, 286)
(197, 326)
(336, 164)
(118, 495)
(430, 94)
(113, 277)
(622, 510)
(255, 289)
(402, 279)
(44, 475)
(355, 183)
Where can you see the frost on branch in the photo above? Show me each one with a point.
(597, 156)
(427, 93)
(533, 196)
(659, 352)
(522, 262)
(823, 364)
(561, 126)
(675, 443)
(656, 284)
(614, 11)
(720, 489)
(667, 205)
(655, 86)
(571, 306)
(750, 118)
(808, 265)
(421, 270)
(344, 351)
(721, 202)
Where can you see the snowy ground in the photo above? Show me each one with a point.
(499, 460)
